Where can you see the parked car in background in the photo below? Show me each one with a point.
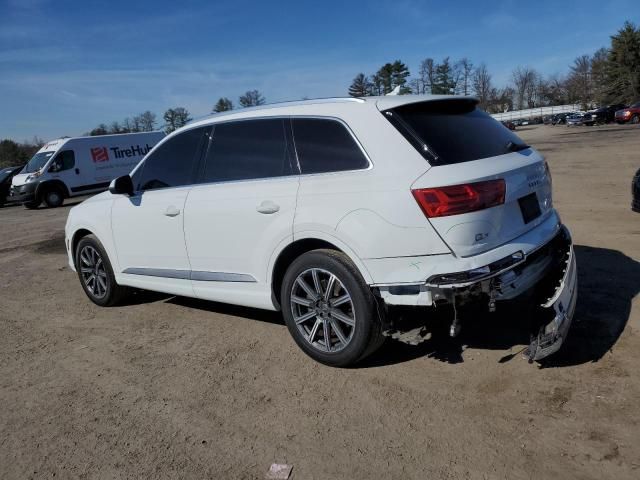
(635, 193)
(560, 118)
(576, 119)
(6, 175)
(605, 114)
(332, 211)
(68, 167)
(630, 114)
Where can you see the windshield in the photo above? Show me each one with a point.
(453, 131)
(37, 162)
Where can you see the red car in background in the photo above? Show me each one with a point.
(629, 115)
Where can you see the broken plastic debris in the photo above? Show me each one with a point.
(279, 471)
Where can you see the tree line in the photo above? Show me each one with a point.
(610, 75)
(174, 118)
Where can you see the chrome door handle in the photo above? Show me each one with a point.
(172, 211)
(268, 207)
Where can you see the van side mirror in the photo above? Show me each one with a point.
(122, 186)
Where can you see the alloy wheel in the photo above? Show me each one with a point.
(323, 310)
(93, 271)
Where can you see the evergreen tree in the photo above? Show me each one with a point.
(222, 105)
(252, 98)
(623, 72)
(361, 86)
(444, 81)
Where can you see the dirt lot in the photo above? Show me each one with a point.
(176, 388)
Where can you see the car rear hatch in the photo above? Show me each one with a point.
(486, 186)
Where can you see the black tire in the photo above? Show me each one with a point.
(363, 337)
(53, 197)
(103, 291)
(635, 119)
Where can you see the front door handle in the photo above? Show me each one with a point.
(268, 207)
(172, 211)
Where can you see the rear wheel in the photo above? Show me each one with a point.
(329, 309)
(95, 273)
(53, 197)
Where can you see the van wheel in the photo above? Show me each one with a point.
(329, 309)
(53, 197)
(96, 275)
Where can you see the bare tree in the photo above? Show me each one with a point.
(147, 121)
(522, 78)
(482, 85)
(426, 77)
(580, 79)
(465, 71)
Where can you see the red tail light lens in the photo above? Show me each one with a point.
(457, 199)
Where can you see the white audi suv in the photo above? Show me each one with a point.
(333, 211)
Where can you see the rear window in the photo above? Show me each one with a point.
(452, 131)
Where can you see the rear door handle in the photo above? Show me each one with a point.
(268, 207)
(172, 211)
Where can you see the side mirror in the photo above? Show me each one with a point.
(122, 186)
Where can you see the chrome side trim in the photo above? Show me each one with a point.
(222, 277)
(159, 272)
(191, 275)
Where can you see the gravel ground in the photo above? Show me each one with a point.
(170, 387)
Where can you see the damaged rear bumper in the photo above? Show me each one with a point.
(548, 275)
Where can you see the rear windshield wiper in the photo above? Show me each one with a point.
(516, 147)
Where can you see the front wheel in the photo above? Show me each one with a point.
(635, 119)
(329, 309)
(96, 274)
(53, 198)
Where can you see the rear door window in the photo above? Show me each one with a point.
(246, 150)
(174, 163)
(453, 131)
(325, 145)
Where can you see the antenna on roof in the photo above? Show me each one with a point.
(395, 91)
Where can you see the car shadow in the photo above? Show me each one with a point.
(608, 281)
(266, 316)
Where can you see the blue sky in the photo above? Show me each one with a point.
(66, 66)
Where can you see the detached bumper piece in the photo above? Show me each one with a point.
(556, 312)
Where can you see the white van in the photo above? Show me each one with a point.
(69, 167)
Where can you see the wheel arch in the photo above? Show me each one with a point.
(301, 246)
(78, 235)
(47, 184)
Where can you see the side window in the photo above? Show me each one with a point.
(64, 160)
(325, 145)
(246, 150)
(174, 163)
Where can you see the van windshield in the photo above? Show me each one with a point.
(37, 162)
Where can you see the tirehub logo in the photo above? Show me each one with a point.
(99, 154)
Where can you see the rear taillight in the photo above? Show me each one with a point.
(457, 199)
